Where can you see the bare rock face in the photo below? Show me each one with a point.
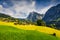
(34, 16)
(52, 16)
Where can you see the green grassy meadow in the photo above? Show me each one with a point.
(12, 33)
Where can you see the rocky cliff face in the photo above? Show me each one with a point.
(34, 16)
(52, 14)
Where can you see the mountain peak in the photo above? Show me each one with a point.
(58, 5)
(53, 13)
(34, 16)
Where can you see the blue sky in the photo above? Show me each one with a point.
(22, 8)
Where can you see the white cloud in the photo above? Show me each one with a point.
(44, 10)
(1, 8)
(21, 9)
(6, 11)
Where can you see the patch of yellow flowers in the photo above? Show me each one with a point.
(43, 29)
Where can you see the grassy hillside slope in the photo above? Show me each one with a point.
(33, 27)
(12, 33)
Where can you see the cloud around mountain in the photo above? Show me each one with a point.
(21, 8)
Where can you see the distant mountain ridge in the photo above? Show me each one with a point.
(52, 16)
(4, 15)
(34, 16)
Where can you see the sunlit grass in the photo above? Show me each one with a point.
(12, 33)
(33, 27)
